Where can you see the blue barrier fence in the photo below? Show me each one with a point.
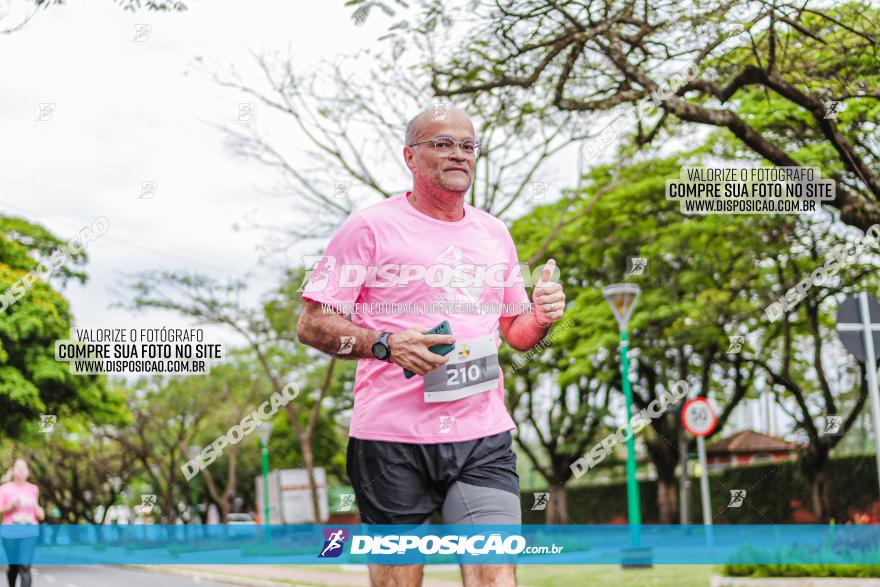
(439, 544)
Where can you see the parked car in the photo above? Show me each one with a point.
(241, 525)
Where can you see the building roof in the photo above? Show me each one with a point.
(749, 441)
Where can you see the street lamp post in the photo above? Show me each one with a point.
(265, 430)
(622, 298)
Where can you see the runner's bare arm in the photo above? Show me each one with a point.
(325, 331)
(524, 331)
(409, 348)
(40, 513)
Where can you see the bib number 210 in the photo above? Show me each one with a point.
(464, 374)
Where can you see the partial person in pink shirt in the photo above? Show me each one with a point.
(21, 511)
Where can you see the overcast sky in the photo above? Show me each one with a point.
(130, 106)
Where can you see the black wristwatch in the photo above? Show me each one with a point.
(380, 348)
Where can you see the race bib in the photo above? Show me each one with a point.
(472, 368)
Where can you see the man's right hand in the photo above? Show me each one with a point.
(409, 349)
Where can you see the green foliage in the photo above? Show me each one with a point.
(32, 382)
(702, 280)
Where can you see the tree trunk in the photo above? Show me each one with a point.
(667, 499)
(308, 458)
(684, 503)
(815, 467)
(557, 508)
(225, 507)
(821, 495)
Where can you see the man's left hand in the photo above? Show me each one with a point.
(548, 297)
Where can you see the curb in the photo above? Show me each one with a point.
(793, 582)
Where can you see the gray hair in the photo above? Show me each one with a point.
(410, 136)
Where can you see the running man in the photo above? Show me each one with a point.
(439, 440)
(21, 511)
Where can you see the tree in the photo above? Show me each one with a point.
(800, 356)
(268, 332)
(228, 393)
(557, 424)
(77, 473)
(32, 382)
(690, 305)
(164, 419)
(787, 59)
(353, 112)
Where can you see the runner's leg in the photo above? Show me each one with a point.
(391, 487)
(11, 549)
(470, 504)
(26, 551)
(487, 492)
(396, 575)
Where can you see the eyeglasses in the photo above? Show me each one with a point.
(444, 145)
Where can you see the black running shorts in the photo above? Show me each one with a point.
(474, 481)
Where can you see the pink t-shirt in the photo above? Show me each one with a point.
(26, 513)
(383, 237)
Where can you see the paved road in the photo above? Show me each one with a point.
(104, 576)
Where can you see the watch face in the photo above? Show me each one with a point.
(380, 351)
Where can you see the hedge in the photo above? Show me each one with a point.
(769, 490)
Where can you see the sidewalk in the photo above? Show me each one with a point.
(289, 576)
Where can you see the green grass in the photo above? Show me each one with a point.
(614, 576)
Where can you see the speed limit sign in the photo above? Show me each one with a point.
(698, 417)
